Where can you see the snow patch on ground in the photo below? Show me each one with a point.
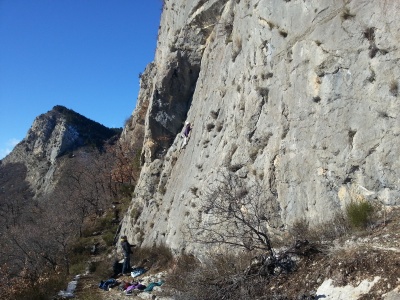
(328, 291)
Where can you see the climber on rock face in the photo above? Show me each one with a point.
(186, 133)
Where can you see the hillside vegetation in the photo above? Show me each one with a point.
(59, 189)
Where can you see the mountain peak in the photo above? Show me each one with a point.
(53, 134)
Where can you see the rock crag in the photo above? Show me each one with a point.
(53, 134)
(301, 96)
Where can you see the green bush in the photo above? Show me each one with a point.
(359, 214)
(108, 238)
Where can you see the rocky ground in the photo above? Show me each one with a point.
(88, 289)
(364, 265)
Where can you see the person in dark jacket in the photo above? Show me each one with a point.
(127, 249)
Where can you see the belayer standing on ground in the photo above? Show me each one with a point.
(186, 133)
(126, 248)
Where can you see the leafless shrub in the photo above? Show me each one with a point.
(299, 229)
(233, 276)
(219, 276)
(183, 267)
(237, 215)
(337, 227)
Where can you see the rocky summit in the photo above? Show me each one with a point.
(299, 96)
(53, 134)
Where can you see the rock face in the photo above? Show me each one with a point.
(51, 135)
(301, 96)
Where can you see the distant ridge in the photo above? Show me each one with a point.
(51, 137)
(91, 132)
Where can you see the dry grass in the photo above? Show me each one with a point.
(216, 277)
(336, 228)
(155, 258)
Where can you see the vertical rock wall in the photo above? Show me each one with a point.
(299, 95)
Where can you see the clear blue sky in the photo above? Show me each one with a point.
(83, 54)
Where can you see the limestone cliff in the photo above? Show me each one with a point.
(299, 95)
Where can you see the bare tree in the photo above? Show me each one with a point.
(85, 185)
(126, 169)
(238, 212)
(235, 213)
(15, 194)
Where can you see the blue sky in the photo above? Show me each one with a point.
(83, 54)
